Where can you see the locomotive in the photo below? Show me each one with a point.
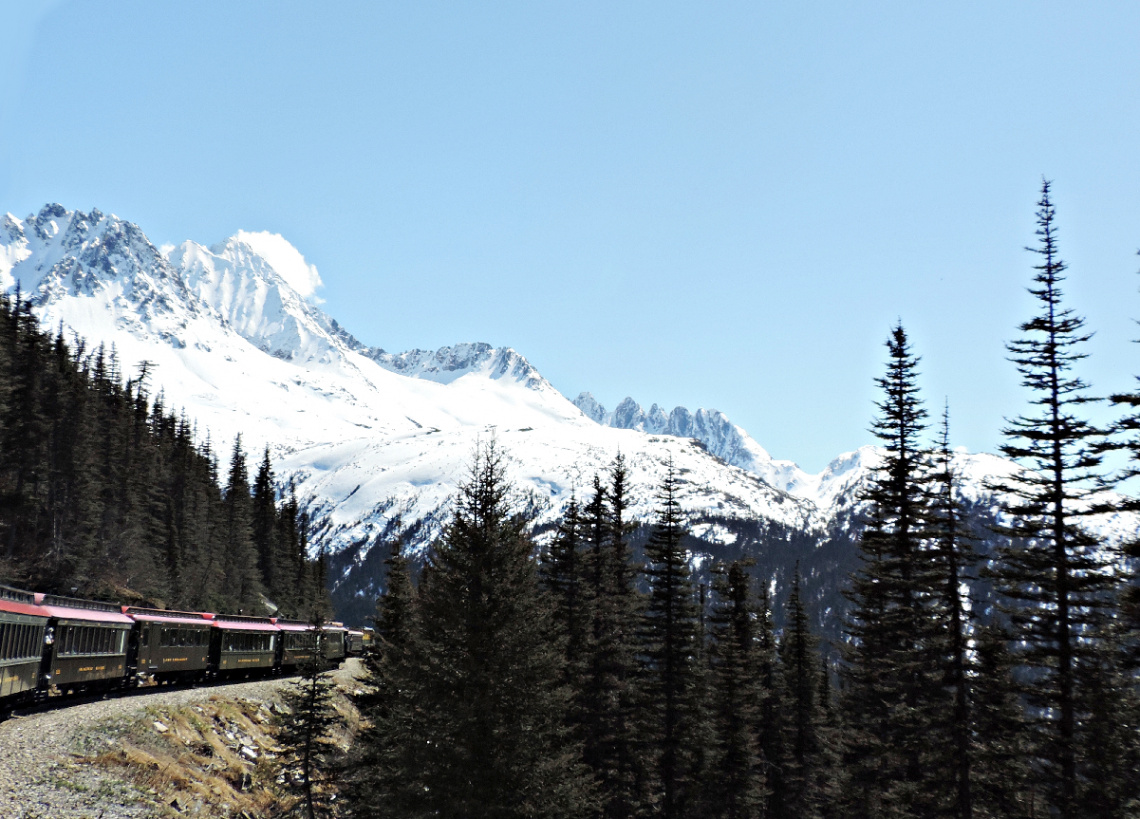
(53, 645)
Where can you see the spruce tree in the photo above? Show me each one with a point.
(478, 708)
(895, 700)
(612, 743)
(1053, 573)
(772, 729)
(737, 695)
(565, 578)
(374, 787)
(957, 558)
(263, 530)
(239, 560)
(304, 739)
(672, 639)
(1000, 787)
(1127, 430)
(805, 774)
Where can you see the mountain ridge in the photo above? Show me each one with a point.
(377, 443)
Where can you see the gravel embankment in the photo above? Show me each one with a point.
(43, 769)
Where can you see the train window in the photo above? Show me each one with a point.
(144, 637)
(5, 637)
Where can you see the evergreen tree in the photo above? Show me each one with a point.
(672, 639)
(566, 576)
(999, 783)
(896, 702)
(304, 737)
(1127, 430)
(957, 558)
(772, 729)
(612, 744)
(805, 775)
(478, 696)
(239, 558)
(565, 579)
(1053, 573)
(372, 788)
(737, 696)
(264, 528)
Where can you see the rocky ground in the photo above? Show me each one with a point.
(202, 752)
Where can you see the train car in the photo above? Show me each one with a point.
(298, 643)
(23, 626)
(333, 642)
(355, 645)
(87, 644)
(242, 645)
(169, 646)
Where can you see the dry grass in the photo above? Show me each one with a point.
(214, 759)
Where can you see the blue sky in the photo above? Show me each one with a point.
(723, 205)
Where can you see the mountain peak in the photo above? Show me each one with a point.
(285, 260)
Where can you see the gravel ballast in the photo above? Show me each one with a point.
(44, 767)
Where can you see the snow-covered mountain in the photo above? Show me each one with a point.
(378, 442)
(367, 435)
(711, 427)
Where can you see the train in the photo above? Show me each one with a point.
(52, 646)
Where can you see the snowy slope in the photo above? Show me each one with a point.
(365, 433)
(377, 442)
(711, 427)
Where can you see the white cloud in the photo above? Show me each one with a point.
(285, 259)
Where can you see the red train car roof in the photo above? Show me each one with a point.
(293, 625)
(70, 608)
(16, 601)
(187, 618)
(233, 622)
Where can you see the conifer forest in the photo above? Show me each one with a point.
(584, 678)
(107, 493)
